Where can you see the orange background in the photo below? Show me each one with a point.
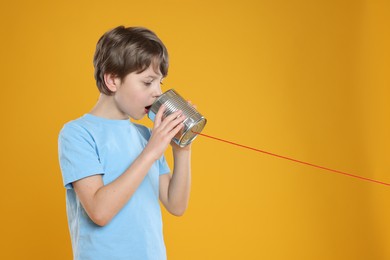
(305, 79)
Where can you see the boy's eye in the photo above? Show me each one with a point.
(150, 83)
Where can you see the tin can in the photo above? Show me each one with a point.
(194, 122)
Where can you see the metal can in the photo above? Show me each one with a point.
(194, 122)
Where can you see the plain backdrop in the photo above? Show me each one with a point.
(304, 79)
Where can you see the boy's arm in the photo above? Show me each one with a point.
(175, 189)
(103, 202)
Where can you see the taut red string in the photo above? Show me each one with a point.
(295, 160)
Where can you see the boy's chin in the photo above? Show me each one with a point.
(137, 117)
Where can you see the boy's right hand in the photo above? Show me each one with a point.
(163, 131)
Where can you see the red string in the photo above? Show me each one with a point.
(295, 160)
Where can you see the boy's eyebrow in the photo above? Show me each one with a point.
(155, 76)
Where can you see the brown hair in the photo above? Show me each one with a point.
(122, 50)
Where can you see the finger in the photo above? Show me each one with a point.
(175, 130)
(170, 118)
(158, 118)
(179, 120)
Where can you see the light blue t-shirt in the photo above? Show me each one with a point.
(93, 145)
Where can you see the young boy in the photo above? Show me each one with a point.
(114, 170)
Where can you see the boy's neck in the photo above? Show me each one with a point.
(106, 107)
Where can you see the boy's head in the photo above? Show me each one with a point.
(122, 50)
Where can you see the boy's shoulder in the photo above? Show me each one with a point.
(74, 124)
(88, 126)
(80, 127)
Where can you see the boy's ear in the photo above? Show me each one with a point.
(112, 81)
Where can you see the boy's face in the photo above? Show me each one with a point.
(137, 92)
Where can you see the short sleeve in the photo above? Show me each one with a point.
(78, 155)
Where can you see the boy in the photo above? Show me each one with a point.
(114, 170)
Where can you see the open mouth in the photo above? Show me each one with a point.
(147, 108)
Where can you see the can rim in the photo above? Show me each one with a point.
(189, 141)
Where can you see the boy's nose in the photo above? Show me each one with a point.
(157, 92)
